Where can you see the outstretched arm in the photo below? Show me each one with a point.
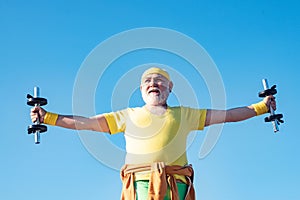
(236, 114)
(95, 123)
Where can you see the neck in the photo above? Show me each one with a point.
(157, 109)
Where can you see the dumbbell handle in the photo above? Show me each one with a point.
(275, 122)
(36, 93)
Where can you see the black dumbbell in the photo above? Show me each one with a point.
(276, 119)
(36, 128)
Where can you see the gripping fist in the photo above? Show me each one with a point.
(270, 101)
(37, 113)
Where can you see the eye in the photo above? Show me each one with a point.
(146, 80)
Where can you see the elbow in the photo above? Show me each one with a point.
(230, 117)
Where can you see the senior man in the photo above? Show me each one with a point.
(156, 166)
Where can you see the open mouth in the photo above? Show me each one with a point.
(154, 91)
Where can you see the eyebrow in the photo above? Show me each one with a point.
(158, 76)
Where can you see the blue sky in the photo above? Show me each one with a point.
(45, 43)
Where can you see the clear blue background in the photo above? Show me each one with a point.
(44, 43)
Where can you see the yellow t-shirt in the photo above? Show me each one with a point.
(156, 138)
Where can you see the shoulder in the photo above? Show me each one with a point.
(185, 109)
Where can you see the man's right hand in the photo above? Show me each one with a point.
(37, 112)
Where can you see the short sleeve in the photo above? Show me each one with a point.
(202, 119)
(196, 118)
(116, 121)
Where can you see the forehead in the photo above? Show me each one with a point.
(155, 75)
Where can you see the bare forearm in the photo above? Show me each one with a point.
(239, 114)
(95, 123)
(75, 122)
(230, 115)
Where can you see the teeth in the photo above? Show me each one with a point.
(154, 90)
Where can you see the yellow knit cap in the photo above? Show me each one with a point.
(156, 70)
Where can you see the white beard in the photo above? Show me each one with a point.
(153, 99)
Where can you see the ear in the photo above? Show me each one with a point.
(170, 86)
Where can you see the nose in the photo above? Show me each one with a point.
(153, 82)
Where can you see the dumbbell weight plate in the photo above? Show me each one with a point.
(273, 117)
(36, 127)
(267, 92)
(32, 101)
